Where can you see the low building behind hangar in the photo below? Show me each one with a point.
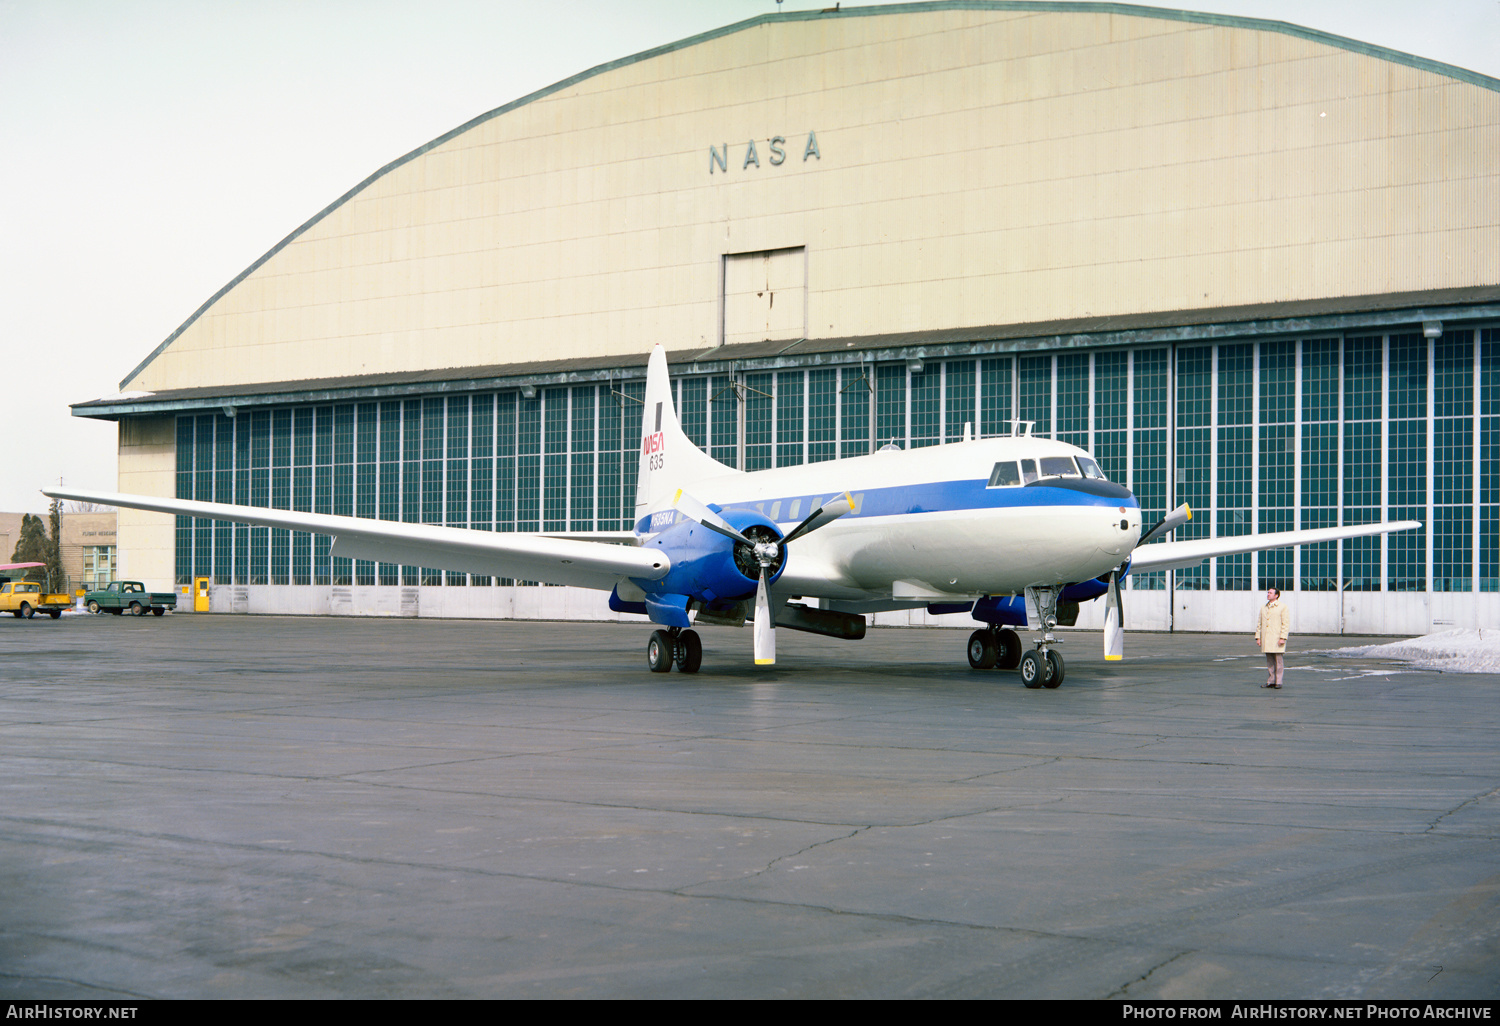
(1250, 266)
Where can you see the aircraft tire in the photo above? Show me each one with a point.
(982, 650)
(689, 651)
(1007, 649)
(1032, 669)
(1055, 670)
(659, 652)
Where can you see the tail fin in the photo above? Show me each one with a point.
(669, 461)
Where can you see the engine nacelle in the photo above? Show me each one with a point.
(709, 567)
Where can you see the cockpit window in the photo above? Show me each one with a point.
(1028, 471)
(1090, 469)
(1058, 466)
(1004, 475)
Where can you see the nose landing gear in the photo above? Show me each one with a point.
(995, 646)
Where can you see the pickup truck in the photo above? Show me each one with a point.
(129, 597)
(26, 598)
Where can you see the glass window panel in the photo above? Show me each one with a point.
(1035, 392)
(822, 415)
(926, 405)
(995, 397)
(960, 394)
(854, 411)
(890, 405)
(758, 421)
(789, 449)
(583, 445)
(1073, 399)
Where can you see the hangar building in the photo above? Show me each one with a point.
(1250, 266)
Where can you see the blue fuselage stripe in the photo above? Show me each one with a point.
(927, 497)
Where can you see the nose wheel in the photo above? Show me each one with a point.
(1042, 668)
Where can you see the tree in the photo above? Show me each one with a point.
(33, 546)
(55, 580)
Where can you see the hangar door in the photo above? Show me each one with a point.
(765, 296)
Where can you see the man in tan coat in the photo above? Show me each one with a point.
(1271, 634)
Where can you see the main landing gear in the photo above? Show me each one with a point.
(996, 646)
(674, 645)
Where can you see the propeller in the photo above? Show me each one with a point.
(766, 552)
(1114, 620)
(1173, 520)
(1114, 610)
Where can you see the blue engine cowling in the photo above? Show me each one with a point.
(707, 566)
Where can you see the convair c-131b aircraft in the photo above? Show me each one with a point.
(1017, 530)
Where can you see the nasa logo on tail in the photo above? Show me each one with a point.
(655, 444)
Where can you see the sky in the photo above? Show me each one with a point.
(151, 150)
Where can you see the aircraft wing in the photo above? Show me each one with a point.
(528, 556)
(1177, 554)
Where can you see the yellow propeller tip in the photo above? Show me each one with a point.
(1113, 659)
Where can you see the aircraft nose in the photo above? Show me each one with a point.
(1119, 530)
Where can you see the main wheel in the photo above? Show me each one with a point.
(1007, 649)
(659, 652)
(1033, 669)
(689, 651)
(1055, 668)
(94, 608)
(982, 650)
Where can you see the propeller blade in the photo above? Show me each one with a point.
(1173, 520)
(821, 517)
(696, 510)
(1114, 620)
(765, 624)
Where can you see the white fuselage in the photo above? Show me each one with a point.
(926, 525)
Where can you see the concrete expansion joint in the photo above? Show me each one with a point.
(811, 847)
(1125, 990)
(1460, 807)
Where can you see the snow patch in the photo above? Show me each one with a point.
(1455, 651)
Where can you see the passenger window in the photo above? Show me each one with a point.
(1058, 466)
(1028, 471)
(1004, 475)
(1091, 469)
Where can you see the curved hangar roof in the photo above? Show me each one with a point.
(927, 166)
